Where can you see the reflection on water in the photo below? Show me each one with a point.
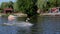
(43, 25)
(51, 25)
(14, 29)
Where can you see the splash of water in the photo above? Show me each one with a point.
(11, 18)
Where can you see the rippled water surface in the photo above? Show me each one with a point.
(44, 25)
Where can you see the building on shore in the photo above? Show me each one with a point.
(8, 10)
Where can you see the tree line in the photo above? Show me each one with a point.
(30, 7)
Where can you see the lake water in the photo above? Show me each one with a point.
(42, 25)
(50, 25)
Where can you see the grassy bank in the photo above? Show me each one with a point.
(17, 14)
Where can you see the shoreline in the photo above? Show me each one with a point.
(17, 14)
(25, 15)
(50, 14)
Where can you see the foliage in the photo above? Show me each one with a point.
(58, 2)
(7, 5)
(0, 11)
(27, 6)
(54, 3)
(23, 4)
(30, 6)
(10, 4)
(42, 5)
(4, 5)
(15, 7)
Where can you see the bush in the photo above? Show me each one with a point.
(1, 11)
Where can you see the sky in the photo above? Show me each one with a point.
(6, 1)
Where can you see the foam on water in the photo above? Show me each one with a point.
(20, 24)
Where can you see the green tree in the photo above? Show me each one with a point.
(10, 4)
(27, 6)
(54, 3)
(7, 5)
(4, 5)
(15, 7)
(42, 5)
(58, 3)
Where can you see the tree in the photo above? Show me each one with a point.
(58, 3)
(7, 5)
(4, 5)
(15, 7)
(41, 4)
(10, 4)
(46, 5)
(54, 3)
(27, 6)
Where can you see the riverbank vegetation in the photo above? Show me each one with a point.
(30, 7)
